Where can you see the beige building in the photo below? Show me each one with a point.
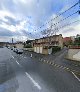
(44, 45)
(19, 45)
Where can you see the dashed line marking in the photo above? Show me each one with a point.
(25, 57)
(55, 64)
(50, 63)
(12, 56)
(60, 66)
(65, 67)
(33, 81)
(44, 61)
(18, 63)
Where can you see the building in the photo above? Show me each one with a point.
(44, 45)
(67, 41)
(19, 45)
(3, 44)
(73, 38)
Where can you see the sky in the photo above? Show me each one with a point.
(30, 19)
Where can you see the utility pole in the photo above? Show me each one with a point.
(12, 40)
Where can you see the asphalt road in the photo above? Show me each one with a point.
(21, 73)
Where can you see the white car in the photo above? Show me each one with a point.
(19, 51)
(15, 49)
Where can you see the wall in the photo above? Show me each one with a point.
(20, 46)
(40, 49)
(73, 54)
(45, 51)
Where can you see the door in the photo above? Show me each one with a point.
(34, 49)
(40, 49)
(37, 49)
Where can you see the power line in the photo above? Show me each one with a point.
(68, 24)
(61, 13)
(56, 28)
(64, 18)
(67, 17)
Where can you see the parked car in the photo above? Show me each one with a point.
(8, 47)
(19, 51)
(12, 48)
(15, 49)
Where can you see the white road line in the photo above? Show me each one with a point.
(12, 56)
(33, 81)
(25, 57)
(76, 76)
(18, 63)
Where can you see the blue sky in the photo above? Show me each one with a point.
(20, 18)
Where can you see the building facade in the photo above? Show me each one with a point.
(44, 45)
(67, 41)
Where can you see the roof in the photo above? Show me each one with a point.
(67, 39)
(49, 37)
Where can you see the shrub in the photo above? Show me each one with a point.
(55, 49)
(28, 46)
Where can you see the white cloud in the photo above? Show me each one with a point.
(31, 14)
(6, 13)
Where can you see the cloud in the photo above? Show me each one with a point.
(5, 32)
(23, 17)
(11, 21)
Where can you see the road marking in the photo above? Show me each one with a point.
(25, 57)
(76, 76)
(50, 63)
(12, 56)
(18, 63)
(60, 66)
(33, 81)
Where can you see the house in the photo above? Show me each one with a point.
(44, 45)
(67, 41)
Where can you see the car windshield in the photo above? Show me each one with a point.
(39, 45)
